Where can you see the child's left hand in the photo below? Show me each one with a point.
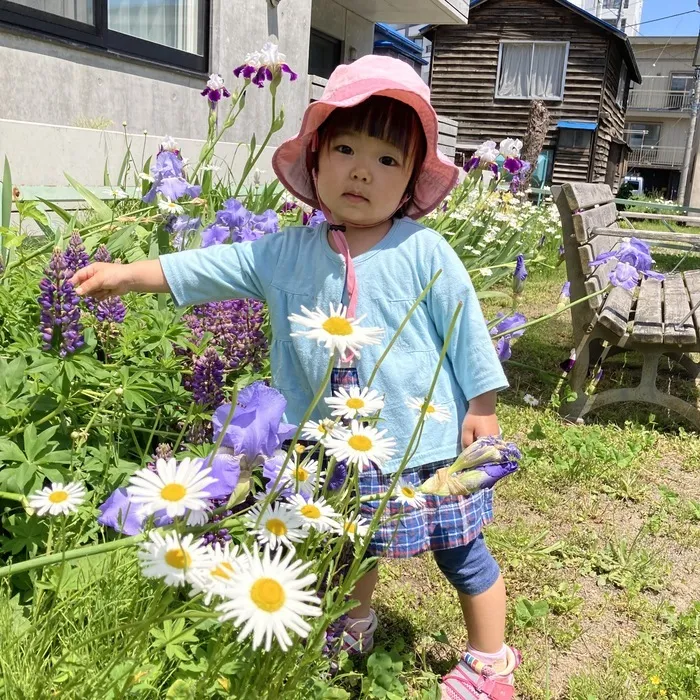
(480, 420)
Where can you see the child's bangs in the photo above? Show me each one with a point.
(382, 118)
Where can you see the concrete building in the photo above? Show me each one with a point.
(73, 71)
(658, 111)
(626, 15)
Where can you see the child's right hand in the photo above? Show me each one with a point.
(101, 280)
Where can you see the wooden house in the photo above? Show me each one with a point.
(485, 74)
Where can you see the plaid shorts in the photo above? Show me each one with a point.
(443, 522)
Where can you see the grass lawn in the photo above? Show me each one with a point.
(598, 537)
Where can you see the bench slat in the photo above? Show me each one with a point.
(690, 239)
(586, 222)
(648, 323)
(676, 307)
(662, 217)
(692, 283)
(583, 195)
(594, 248)
(616, 311)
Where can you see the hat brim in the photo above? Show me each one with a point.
(438, 174)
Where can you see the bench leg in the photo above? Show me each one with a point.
(688, 364)
(645, 392)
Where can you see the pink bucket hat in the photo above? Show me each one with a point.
(348, 86)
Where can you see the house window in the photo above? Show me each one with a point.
(622, 87)
(643, 134)
(529, 70)
(623, 24)
(325, 54)
(173, 32)
(611, 4)
(579, 139)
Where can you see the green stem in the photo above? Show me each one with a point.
(71, 554)
(510, 331)
(9, 496)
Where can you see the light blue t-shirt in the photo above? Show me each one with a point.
(297, 267)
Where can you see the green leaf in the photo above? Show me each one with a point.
(98, 206)
(29, 442)
(121, 182)
(105, 179)
(536, 433)
(10, 451)
(62, 213)
(6, 199)
(490, 294)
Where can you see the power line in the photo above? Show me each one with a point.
(660, 19)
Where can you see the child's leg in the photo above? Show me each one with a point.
(363, 591)
(485, 617)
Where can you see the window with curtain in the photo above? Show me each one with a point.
(172, 32)
(622, 87)
(529, 70)
(76, 10)
(173, 23)
(643, 134)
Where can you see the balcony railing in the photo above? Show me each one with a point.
(652, 156)
(660, 100)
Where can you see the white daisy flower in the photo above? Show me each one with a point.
(197, 518)
(336, 331)
(267, 598)
(436, 411)
(361, 445)
(118, 193)
(406, 494)
(176, 560)
(301, 476)
(320, 431)
(355, 402)
(175, 488)
(485, 271)
(357, 527)
(58, 499)
(530, 400)
(145, 177)
(314, 513)
(224, 562)
(170, 208)
(275, 525)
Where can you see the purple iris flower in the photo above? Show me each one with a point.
(215, 89)
(314, 219)
(503, 349)
(215, 234)
(288, 206)
(256, 427)
(625, 276)
(506, 323)
(175, 187)
(339, 475)
(266, 222)
(569, 363)
(246, 233)
(119, 513)
(519, 275)
(472, 164)
(168, 180)
(233, 215)
(513, 165)
(271, 470)
(226, 469)
(491, 473)
(168, 164)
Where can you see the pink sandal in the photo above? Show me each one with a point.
(359, 642)
(458, 684)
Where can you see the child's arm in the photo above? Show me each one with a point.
(101, 280)
(470, 351)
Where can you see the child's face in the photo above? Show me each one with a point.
(362, 179)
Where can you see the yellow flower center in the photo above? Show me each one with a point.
(276, 527)
(408, 491)
(299, 449)
(355, 403)
(178, 558)
(301, 474)
(322, 429)
(223, 570)
(430, 409)
(351, 528)
(311, 511)
(361, 443)
(267, 594)
(336, 325)
(58, 496)
(173, 492)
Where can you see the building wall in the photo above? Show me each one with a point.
(356, 33)
(630, 15)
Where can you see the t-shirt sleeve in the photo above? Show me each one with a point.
(471, 351)
(226, 271)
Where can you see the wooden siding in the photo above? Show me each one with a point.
(464, 74)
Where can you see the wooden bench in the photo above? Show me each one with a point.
(644, 320)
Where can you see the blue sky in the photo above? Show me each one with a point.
(687, 25)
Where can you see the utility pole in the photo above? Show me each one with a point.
(690, 141)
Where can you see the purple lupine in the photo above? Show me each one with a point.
(75, 256)
(208, 378)
(164, 450)
(221, 536)
(519, 275)
(102, 254)
(236, 327)
(215, 89)
(111, 310)
(60, 311)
